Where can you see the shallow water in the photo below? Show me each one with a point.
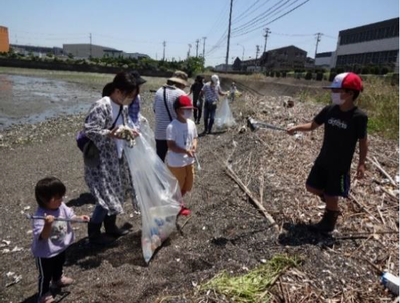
(32, 99)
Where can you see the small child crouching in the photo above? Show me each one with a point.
(51, 237)
(182, 144)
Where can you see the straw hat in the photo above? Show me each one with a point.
(179, 77)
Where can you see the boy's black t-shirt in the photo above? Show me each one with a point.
(196, 88)
(342, 131)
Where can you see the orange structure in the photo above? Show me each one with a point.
(4, 42)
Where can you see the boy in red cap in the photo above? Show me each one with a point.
(182, 144)
(345, 124)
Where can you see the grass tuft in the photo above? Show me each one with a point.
(253, 286)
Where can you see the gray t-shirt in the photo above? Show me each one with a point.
(61, 232)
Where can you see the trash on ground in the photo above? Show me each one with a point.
(391, 282)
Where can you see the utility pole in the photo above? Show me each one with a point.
(316, 45)
(204, 47)
(188, 55)
(267, 32)
(197, 47)
(164, 44)
(229, 37)
(257, 51)
(90, 37)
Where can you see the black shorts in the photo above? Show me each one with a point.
(333, 183)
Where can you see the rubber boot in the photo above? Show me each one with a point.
(95, 236)
(112, 228)
(327, 223)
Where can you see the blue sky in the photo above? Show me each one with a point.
(142, 26)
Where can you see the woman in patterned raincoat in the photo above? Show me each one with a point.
(109, 179)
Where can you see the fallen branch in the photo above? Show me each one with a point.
(233, 175)
(389, 193)
(183, 225)
(363, 207)
(370, 233)
(379, 167)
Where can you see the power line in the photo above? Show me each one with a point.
(219, 42)
(281, 16)
(218, 21)
(292, 35)
(243, 15)
(272, 13)
(261, 16)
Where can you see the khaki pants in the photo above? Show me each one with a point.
(184, 175)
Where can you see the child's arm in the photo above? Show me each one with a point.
(48, 221)
(303, 127)
(194, 148)
(175, 148)
(363, 156)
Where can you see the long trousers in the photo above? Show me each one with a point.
(49, 269)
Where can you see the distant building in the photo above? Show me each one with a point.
(39, 51)
(323, 60)
(4, 41)
(310, 63)
(280, 59)
(134, 55)
(284, 58)
(84, 51)
(237, 64)
(250, 65)
(223, 67)
(371, 44)
(114, 53)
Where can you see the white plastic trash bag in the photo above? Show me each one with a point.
(157, 192)
(223, 116)
(146, 131)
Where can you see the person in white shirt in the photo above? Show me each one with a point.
(182, 144)
(164, 111)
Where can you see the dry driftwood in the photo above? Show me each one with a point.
(229, 171)
(233, 175)
(378, 166)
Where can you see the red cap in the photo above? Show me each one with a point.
(347, 81)
(183, 102)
